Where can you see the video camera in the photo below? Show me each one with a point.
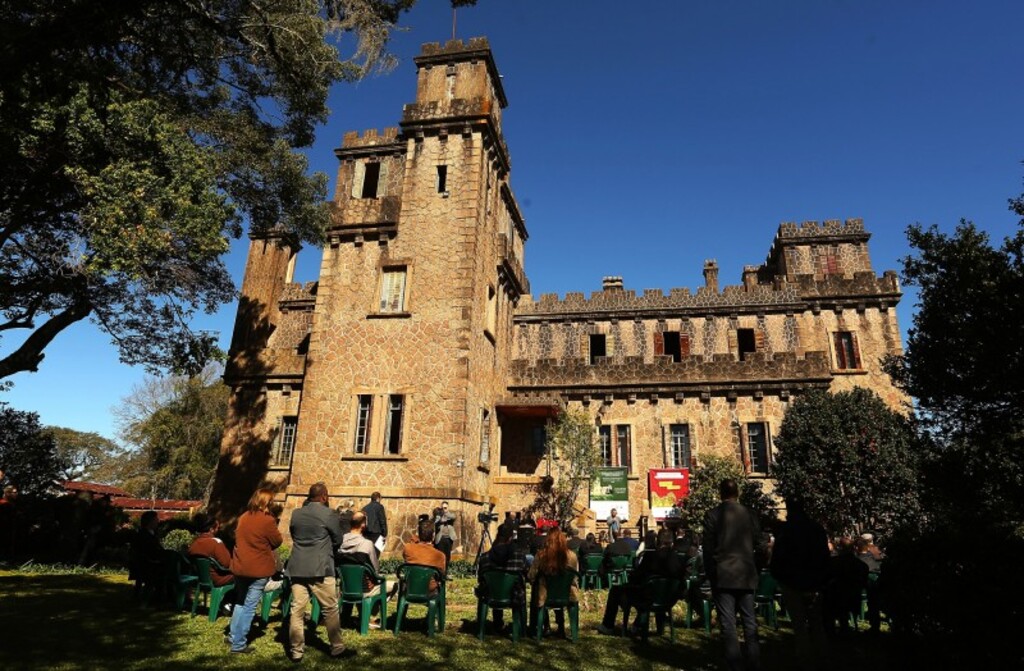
(488, 516)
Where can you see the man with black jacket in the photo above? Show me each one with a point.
(731, 536)
(376, 519)
(316, 534)
(662, 562)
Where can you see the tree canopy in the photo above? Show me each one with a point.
(28, 454)
(84, 455)
(573, 452)
(137, 136)
(851, 459)
(175, 425)
(703, 495)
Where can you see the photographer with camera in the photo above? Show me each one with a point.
(444, 531)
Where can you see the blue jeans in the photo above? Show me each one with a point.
(244, 612)
(727, 603)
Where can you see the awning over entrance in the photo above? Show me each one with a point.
(527, 408)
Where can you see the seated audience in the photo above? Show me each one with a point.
(842, 595)
(357, 548)
(507, 556)
(207, 545)
(554, 558)
(420, 550)
(663, 562)
(147, 553)
(627, 538)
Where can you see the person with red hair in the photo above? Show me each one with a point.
(553, 559)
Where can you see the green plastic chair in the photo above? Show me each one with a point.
(765, 599)
(559, 590)
(351, 576)
(284, 593)
(706, 608)
(212, 595)
(591, 571)
(178, 577)
(414, 588)
(498, 587)
(662, 593)
(619, 573)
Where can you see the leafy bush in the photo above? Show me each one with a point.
(178, 539)
(704, 481)
(284, 551)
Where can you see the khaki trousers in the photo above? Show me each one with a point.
(326, 592)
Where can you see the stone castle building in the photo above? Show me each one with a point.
(420, 366)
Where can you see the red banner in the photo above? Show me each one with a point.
(668, 487)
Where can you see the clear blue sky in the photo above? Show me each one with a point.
(648, 136)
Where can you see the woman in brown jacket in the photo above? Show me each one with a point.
(252, 563)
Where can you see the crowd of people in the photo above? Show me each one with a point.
(821, 583)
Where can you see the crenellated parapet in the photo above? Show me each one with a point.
(827, 228)
(623, 302)
(369, 138)
(633, 371)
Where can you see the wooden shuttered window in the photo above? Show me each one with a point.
(370, 179)
(847, 350)
(673, 344)
(659, 344)
(358, 175)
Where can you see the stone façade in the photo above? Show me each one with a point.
(459, 361)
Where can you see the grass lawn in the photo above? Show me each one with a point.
(90, 622)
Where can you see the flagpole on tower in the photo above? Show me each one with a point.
(453, 21)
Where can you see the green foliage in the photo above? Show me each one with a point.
(84, 455)
(573, 452)
(28, 454)
(137, 136)
(852, 460)
(703, 496)
(284, 553)
(176, 425)
(35, 568)
(964, 364)
(178, 540)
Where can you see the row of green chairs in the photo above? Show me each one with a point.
(500, 587)
(618, 575)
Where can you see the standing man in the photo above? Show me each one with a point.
(376, 522)
(731, 533)
(316, 533)
(614, 526)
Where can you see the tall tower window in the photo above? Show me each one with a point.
(442, 179)
(746, 343)
(616, 445)
(393, 432)
(284, 442)
(847, 355)
(371, 180)
(363, 423)
(598, 347)
(679, 445)
(757, 447)
(485, 437)
(392, 290)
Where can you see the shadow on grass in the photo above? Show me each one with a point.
(89, 622)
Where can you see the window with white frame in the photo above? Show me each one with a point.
(364, 408)
(393, 428)
(392, 289)
(616, 445)
(284, 442)
(679, 445)
(758, 448)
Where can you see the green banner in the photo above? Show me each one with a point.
(609, 484)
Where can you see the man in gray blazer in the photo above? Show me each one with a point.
(731, 533)
(316, 533)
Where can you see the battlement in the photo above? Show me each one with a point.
(454, 47)
(678, 298)
(440, 109)
(369, 138)
(298, 292)
(721, 368)
(827, 228)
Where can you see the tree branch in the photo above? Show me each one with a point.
(28, 356)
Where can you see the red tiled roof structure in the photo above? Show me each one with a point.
(93, 488)
(165, 508)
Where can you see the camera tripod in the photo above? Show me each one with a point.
(485, 537)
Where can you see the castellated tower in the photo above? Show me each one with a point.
(409, 324)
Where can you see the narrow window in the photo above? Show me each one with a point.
(371, 178)
(672, 347)
(757, 446)
(393, 431)
(847, 356)
(392, 290)
(746, 342)
(622, 450)
(598, 346)
(284, 443)
(492, 311)
(539, 440)
(363, 423)
(605, 435)
(679, 445)
(442, 179)
(485, 437)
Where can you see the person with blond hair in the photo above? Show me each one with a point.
(554, 558)
(253, 562)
